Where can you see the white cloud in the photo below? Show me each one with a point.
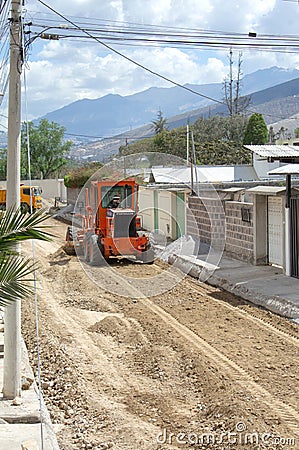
(67, 70)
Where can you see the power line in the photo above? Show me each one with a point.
(151, 36)
(130, 59)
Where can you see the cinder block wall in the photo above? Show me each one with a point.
(239, 233)
(217, 222)
(206, 220)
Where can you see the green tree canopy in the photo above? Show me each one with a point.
(213, 145)
(221, 128)
(48, 150)
(256, 132)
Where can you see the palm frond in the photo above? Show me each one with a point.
(14, 281)
(16, 226)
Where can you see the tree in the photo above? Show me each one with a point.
(48, 150)
(296, 132)
(3, 163)
(77, 177)
(14, 268)
(235, 103)
(159, 123)
(256, 132)
(271, 135)
(221, 128)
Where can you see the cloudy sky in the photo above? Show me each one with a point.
(59, 72)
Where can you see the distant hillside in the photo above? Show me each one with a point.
(273, 103)
(113, 114)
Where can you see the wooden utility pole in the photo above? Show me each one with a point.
(12, 319)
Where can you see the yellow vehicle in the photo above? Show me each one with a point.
(30, 198)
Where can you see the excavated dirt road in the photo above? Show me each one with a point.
(193, 367)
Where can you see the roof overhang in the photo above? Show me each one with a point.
(275, 152)
(288, 169)
(267, 190)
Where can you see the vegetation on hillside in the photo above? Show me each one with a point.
(211, 141)
(77, 177)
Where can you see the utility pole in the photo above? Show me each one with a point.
(12, 319)
(187, 143)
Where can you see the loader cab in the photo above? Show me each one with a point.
(117, 208)
(120, 196)
(30, 197)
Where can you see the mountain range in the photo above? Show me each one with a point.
(274, 92)
(114, 114)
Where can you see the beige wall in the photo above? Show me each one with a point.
(51, 188)
(166, 210)
(146, 208)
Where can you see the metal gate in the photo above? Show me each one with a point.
(295, 237)
(275, 230)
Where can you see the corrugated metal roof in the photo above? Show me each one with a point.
(204, 174)
(266, 190)
(275, 151)
(233, 189)
(288, 169)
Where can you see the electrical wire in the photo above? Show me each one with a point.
(130, 59)
(209, 39)
(111, 49)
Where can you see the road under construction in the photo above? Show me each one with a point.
(175, 370)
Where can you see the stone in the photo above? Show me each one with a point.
(29, 445)
(17, 401)
(25, 383)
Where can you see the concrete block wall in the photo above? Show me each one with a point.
(239, 233)
(220, 224)
(206, 220)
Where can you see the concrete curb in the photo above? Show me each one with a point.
(260, 285)
(274, 303)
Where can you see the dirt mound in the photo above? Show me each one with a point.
(59, 257)
(127, 331)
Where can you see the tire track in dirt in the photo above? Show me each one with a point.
(256, 320)
(291, 339)
(236, 372)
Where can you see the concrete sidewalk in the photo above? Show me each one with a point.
(22, 425)
(266, 286)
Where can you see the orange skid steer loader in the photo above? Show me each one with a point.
(110, 226)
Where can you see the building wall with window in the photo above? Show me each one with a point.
(239, 230)
(223, 224)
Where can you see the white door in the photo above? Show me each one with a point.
(275, 230)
